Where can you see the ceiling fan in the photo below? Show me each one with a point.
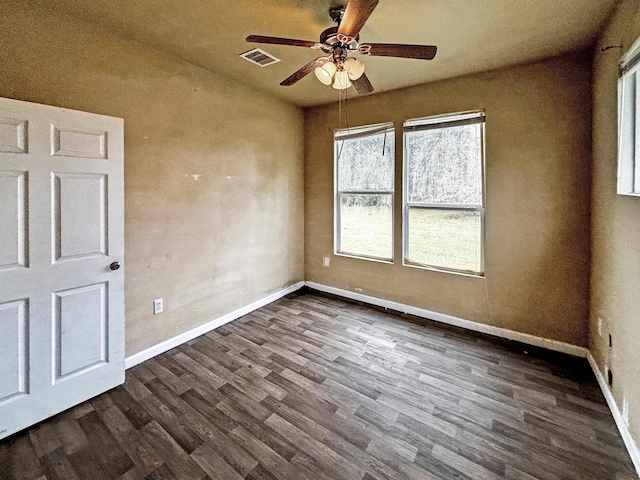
(338, 67)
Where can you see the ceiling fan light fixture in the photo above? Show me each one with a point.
(325, 73)
(354, 68)
(336, 68)
(341, 80)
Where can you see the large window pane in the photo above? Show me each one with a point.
(444, 201)
(366, 163)
(364, 191)
(444, 165)
(446, 238)
(366, 225)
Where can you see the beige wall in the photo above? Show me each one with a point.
(210, 244)
(615, 284)
(537, 218)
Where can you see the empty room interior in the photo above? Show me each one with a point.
(323, 239)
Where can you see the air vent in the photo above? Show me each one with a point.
(259, 57)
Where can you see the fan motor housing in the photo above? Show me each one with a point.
(330, 38)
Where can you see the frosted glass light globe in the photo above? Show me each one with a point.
(325, 73)
(341, 80)
(354, 68)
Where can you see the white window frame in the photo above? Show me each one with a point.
(432, 122)
(350, 134)
(629, 123)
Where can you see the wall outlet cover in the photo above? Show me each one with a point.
(326, 261)
(158, 307)
(600, 326)
(625, 410)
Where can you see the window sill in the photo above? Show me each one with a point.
(443, 270)
(388, 261)
(628, 194)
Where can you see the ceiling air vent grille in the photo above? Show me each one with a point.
(259, 57)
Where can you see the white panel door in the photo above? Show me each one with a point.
(61, 245)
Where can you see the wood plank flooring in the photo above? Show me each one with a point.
(313, 387)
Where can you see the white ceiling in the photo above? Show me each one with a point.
(471, 35)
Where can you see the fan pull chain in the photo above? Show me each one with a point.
(340, 121)
(346, 107)
(343, 97)
(339, 108)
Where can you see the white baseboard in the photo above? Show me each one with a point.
(617, 416)
(547, 343)
(162, 347)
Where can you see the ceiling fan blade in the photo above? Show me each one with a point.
(281, 41)
(355, 16)
(422, 52)
(362, 85)
(304, 71)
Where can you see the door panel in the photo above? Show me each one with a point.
(80, 335)
(61, 225)
(13, 219)
(13, 355)
(83, 199)
(13, 135)
(84, 144)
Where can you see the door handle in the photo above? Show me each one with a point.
(114, 266)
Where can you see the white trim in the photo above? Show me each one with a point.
(547, 343)
(634, 453)
(630, 54)
(162, 347)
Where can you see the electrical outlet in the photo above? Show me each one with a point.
(625, 410)
(326, 261)
(600, 326)
(157, 306)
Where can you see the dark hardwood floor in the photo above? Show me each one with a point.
(314, 387)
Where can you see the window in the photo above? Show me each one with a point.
(364, 161)
(443, 192)
(628, 123)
